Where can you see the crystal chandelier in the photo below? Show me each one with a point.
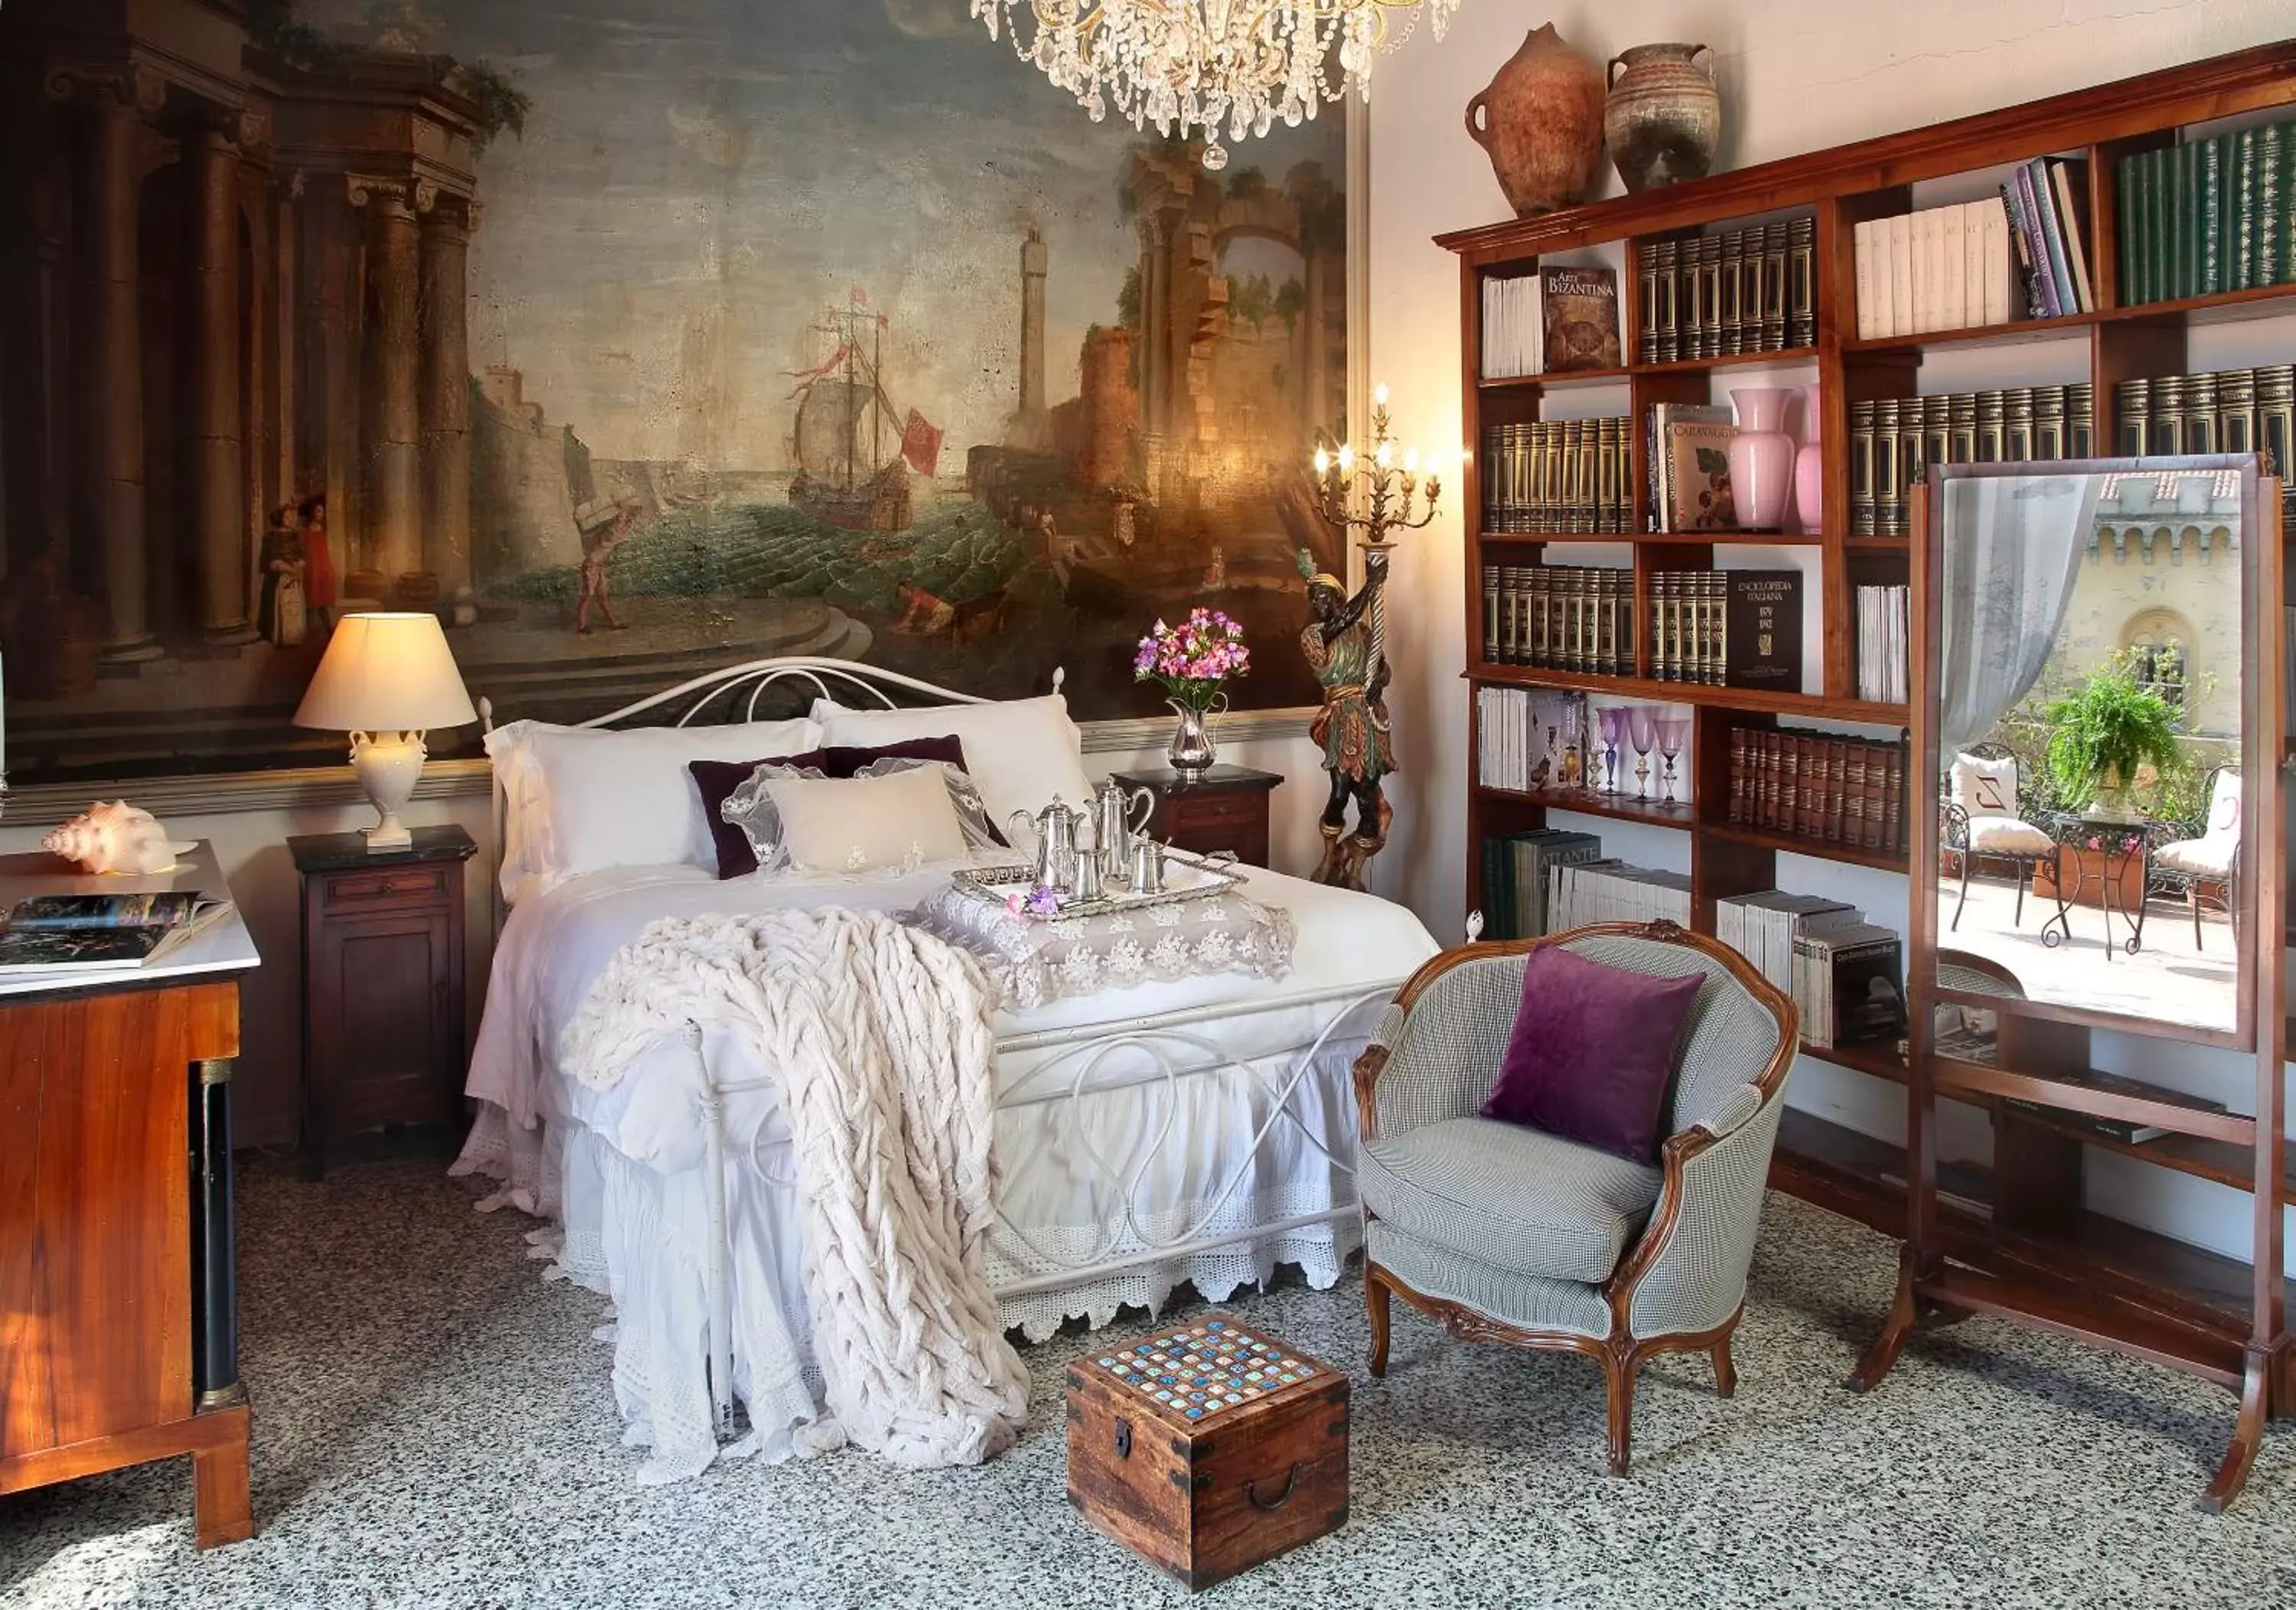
(1232, 65)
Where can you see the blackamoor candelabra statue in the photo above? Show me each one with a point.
(1372, 494)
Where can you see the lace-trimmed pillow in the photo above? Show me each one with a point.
(753, 810)
(796, 817)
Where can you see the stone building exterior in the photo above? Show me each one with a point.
(2162, 566)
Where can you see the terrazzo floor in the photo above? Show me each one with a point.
(434, 1427)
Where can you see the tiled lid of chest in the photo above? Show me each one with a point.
(1199, 1372)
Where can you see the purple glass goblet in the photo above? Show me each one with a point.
(1673, 734)
(1642, 731)
(1613, 718)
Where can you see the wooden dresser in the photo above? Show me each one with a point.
(382, 984)
(118, 1287)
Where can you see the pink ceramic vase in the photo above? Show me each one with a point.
(1761, 457)
(1809, 468)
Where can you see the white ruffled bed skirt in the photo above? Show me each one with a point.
(1104, 1178)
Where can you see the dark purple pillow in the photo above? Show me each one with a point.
(1592, 1053)
(717, 778)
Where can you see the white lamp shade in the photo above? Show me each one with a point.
(386, 674)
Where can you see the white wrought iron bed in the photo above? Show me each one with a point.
(1166, 1132)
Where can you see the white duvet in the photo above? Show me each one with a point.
(555, 943)
(1152, 1154)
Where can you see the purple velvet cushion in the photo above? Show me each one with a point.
(1592, 1053)
(717, 779)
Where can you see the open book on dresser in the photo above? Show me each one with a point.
(90, 933)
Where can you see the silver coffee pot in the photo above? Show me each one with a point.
(1055, 828)
(1113, 826)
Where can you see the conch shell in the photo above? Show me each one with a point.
(115, 837)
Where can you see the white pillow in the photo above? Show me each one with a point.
(859, 824)
(1019, 751)
(1985, 788)
(582, 798)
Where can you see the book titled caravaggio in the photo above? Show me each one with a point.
(1582, 319)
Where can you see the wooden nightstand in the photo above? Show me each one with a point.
(1224, 808)
(382, 984)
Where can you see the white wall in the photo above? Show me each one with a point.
(1796, 76)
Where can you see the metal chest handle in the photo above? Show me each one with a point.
(1290, 1481)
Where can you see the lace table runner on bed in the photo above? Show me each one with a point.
(1033, 960)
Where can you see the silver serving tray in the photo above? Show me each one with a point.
(1208, 876)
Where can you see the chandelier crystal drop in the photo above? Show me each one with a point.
(1231, 68)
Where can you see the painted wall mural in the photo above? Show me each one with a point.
(633, 340)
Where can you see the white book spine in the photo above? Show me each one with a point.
(1901, 276)
(1862, 244)
(1885, 281)
(1972, 262)
(1999, 272)
(1954, 260)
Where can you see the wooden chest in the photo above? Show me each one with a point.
(1208, 1448)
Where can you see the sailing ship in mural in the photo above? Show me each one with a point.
(856, 340)
(843, 424)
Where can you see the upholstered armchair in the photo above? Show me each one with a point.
(1507, 1234)
(2186, 864)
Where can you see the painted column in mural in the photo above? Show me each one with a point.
(391, 415)
(446, 386)
(326, 335)
(219, 466)
(112, 453)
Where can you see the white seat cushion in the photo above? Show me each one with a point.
(1512, 1197)
(2006, 835)
(2210, 857)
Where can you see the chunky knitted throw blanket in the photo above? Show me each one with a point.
(880, 1038)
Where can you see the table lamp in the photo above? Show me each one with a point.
(386, 679)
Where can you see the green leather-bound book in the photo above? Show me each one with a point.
(2124, 212)
(2162, 224)
(2275, 208)
(2240, 217)
(2209, 218)
(2136, 267)
(2191, 185)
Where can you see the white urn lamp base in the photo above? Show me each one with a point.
(388, 766)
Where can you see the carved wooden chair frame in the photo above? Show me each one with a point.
(1620, 1354)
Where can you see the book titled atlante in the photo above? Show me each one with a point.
(95, 932)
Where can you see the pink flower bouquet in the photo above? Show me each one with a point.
(1192, 659)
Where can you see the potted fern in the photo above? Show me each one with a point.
(2102, 734)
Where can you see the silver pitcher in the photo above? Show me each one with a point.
(1055, 828)
(1113, 826)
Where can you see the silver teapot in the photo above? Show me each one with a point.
(1113, 826)
(1055, 828)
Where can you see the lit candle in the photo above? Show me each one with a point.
(1411, 461)
(1385, 456)
(1347, 458)
(1322, 461)
(1379, 394)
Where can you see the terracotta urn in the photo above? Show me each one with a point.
(1663, 120)
(1540, 122)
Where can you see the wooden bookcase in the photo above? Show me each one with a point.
(2023, 1221)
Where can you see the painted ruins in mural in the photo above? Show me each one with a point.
(633, 340)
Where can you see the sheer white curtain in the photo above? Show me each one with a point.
(2012, 546)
